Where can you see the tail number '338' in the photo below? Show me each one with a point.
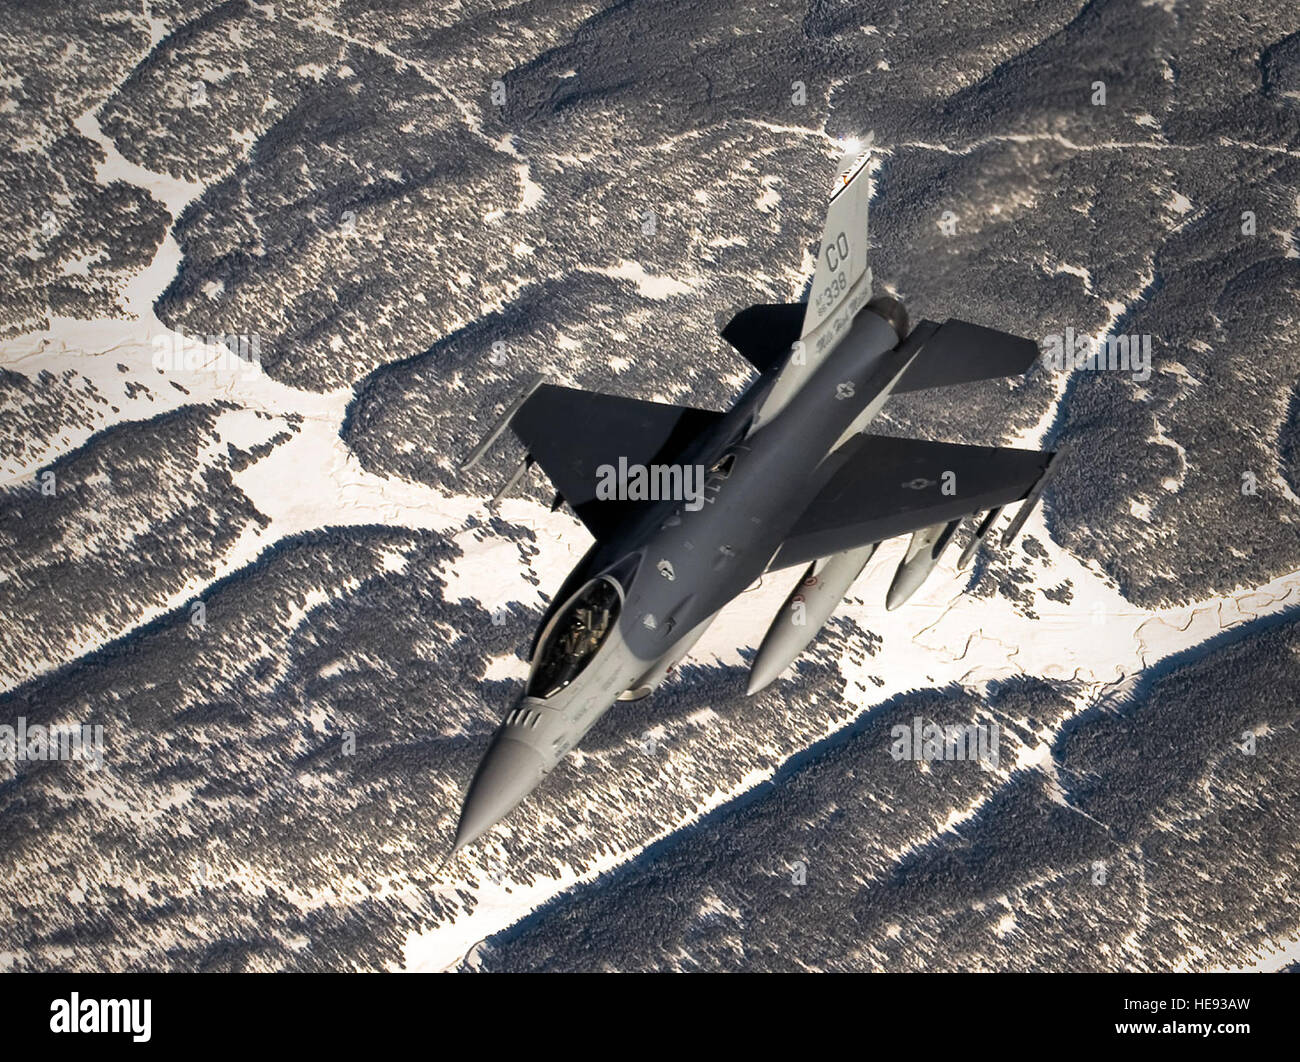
(836, 254)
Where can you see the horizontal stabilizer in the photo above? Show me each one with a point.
(765, 333)
(879, 487)
(957, 352)
(571, 433)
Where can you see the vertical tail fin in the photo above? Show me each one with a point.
(841, 285)
(842, 259)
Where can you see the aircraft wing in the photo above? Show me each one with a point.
(571, 433)
(879, 486)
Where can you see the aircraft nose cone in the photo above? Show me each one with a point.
(509, 772)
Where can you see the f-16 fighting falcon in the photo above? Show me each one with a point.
(789, 477)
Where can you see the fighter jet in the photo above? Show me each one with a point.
(789, 476)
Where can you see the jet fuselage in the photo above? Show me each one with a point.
(674, 569)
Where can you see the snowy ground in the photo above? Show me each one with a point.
(307, 476)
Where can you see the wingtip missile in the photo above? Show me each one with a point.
(503, 422)
(1032, 498)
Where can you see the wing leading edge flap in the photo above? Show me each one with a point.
(883, 486)
(572, 433)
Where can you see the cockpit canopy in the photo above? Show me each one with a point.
(575, 634)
